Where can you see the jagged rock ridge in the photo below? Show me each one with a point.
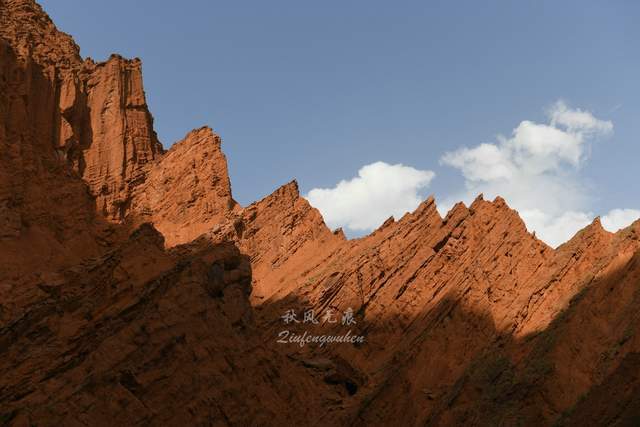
(136, 290)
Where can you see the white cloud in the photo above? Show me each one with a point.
(380, 190)
(536, 171)
(577, 120)
(486, 162)
(619, 218)
(555, 229)
(540, 148)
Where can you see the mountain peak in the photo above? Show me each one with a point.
(31, 33)
(136, 291)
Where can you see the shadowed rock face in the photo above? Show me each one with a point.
(135, 290)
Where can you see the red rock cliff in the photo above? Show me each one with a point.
(135, 290)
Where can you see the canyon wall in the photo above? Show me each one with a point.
(134, 289)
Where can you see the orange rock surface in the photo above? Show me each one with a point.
(135, 290)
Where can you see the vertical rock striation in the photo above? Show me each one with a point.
(118, 139)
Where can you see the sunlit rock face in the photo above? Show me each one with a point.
(135, 290)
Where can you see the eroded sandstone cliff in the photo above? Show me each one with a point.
(135, 290)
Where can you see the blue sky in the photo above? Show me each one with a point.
(317, 90)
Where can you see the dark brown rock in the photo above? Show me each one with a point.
(135, 290)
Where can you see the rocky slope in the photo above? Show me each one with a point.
(135, 290)
(187, 191)
(464, 316)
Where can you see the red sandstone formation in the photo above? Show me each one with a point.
(135, 290)
(118, 139)
(187, 191)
